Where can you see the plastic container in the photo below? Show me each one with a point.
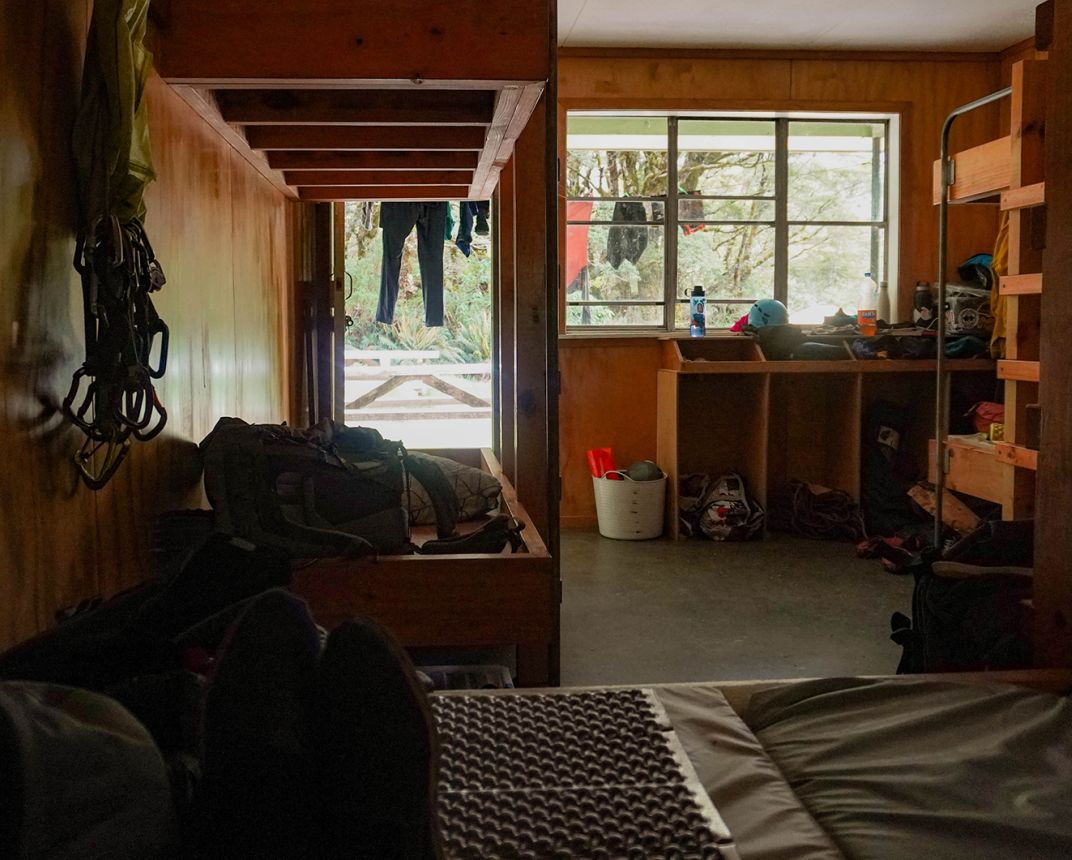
(628, 509)
(867, 307)
(884, 311)
(923, 305)
(697, 312)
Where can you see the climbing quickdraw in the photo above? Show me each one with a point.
(112, 398)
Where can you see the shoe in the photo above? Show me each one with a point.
(481, 228)
(259, 778)
(377, 749)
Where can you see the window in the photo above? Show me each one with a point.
(748, 206)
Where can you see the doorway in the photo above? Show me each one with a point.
(430, 387)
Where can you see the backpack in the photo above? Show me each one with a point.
(328, 490)
(970, 607)
(720, 509)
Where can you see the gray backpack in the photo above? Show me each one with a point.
(328, 490)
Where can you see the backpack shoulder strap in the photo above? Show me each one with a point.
(444, 499)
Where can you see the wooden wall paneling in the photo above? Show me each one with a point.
(505, 343)
(59, 542)
(609, 400)
(531, 282)
(1053, 539)
(47, 524)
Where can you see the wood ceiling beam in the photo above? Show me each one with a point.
(513, 107)
(357, 107)
(384, 192)
(378, 177)
(386, 137)
(389, 160)
(299, 43)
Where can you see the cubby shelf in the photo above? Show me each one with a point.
(724, 407)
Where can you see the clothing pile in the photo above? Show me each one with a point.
(175, 722)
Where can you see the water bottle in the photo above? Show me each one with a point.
(884, 311)
(867, 307)
(923, 305)
(697, 312)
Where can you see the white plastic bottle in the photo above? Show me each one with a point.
(867, 307)
(884, 302)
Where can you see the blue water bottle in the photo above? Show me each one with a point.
(697, 312)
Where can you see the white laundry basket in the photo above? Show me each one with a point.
(628, 509)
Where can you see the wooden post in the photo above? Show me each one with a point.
(1053, 538)
(323, 299)
(533, 279)
(504, 361)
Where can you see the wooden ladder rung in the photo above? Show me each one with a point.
(1018, 371)
(1025, 197)
(1021, 285)
(1017, 455)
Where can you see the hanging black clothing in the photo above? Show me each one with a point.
(627, 243)
(396, 221)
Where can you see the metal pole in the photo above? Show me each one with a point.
(941, 405)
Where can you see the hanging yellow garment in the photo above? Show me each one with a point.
(1000, 266)
(111, 134)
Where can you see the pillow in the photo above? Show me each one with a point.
(478, 492)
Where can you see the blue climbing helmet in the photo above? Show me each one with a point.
(767, 312)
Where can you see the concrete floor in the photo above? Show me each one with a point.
(637, 612)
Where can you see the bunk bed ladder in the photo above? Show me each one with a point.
(941, 420)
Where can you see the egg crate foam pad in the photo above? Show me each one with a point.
(592, 774)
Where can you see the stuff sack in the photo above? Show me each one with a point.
(328, 490)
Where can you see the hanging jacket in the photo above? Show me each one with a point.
(627, 243)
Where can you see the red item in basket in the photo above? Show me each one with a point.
(600, 462)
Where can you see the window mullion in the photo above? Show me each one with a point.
(781, 210)
(670, 227)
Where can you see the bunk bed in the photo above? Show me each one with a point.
(1006, 172)
(333, 101)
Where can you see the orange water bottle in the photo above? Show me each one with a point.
(867, 307)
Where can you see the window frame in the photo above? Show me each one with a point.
(884, 229)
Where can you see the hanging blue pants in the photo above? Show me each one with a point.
(396, 222)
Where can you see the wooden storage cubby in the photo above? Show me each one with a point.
(722, 406)
(916, 393)
(814, 431)
(712, 425)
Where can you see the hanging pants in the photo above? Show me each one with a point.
(396, 221)
(468, 210)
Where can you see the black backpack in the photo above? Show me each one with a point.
(328, 490)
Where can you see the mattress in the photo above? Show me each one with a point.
(905, 768)
(883, 769)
